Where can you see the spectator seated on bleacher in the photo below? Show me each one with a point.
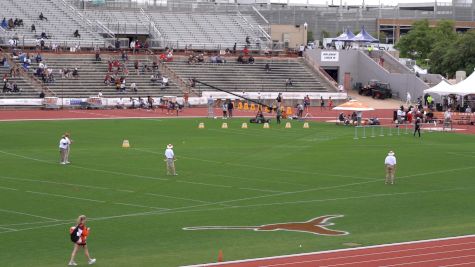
(133, 87)
(33, 28)
(18, 22)
(122, 87)
(15, 88)
(164, 82)
(120, 104)
(124, 56)
(3, 62)
(98, 56)
(76, 73)
(38, 58)
(43, 35)
(154, 78)
(169, 56)
(251, 60)
(42, 17)
(7, 86)
(10, 24)
(240, 59)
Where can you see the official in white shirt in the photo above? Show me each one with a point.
(170, 159)
(390, 163)
(70, 141)
(63, 148)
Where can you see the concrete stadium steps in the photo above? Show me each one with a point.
(61, 23)
(232, 76)
(120, 21)
(91, 78)
(27, 89)
(199, 29)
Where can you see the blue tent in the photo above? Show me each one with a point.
(364, 37)
(347, 36)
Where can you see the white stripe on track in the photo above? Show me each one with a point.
(425, 261)
(368, 254)
(28, 214)
(335, 251)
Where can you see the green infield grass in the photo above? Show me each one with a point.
(226, 177)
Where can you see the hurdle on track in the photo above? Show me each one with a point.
(365, 131)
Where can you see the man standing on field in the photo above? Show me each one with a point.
(63, 149)
(390, 163)
(170, 159)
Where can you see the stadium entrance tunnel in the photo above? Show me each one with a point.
(332, 71)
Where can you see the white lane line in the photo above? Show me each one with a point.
(198, 183)
(404, 257)
(140, 206)
(261, 190)
(9, 229)
(371, 254)
(28, 214)
(180, 198)
(472, 263)
(64, 196)
(28, 223)
(57, 183)
(8, 188)
(432, 260)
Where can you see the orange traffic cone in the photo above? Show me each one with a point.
(220, 256)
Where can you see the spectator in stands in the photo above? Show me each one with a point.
(38, 58)
(289, 82)
(76, 34)
(98, 56)
(154, 78)
(107, 79)
(136, 67)
(4, 23)
(43, 35)
(42, 44)
(245, 51)
(251, 60)
(132, 46)
(267, 67)
(42, 94)
(75, 73)
(117, 44)
(248, 40)
(133, 87)
(240, 59)
(122, 86)
(15, 88)
(234, 48)
(33, 28)
(164, 81)
(42, 17)
(266, 51)
(3, 62)
(155, 65)
(142, 103)
(124, 56)
(10, 24)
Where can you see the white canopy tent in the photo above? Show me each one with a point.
(466, 87)
(442, 88)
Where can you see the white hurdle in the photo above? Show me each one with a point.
(365, 131)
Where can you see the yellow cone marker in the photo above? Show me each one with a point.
(306, 126)
(201, 125)
(244, 125)
(125, 144)
(224, 125)
(266, 125)
(288, 125)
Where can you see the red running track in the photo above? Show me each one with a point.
(454, 251)
(315, 114)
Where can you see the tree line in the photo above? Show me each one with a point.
(445, 50)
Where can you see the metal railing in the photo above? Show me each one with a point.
(109, 33)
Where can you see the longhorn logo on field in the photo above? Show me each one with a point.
(316, 226)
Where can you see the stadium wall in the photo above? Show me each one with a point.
(362, 69)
